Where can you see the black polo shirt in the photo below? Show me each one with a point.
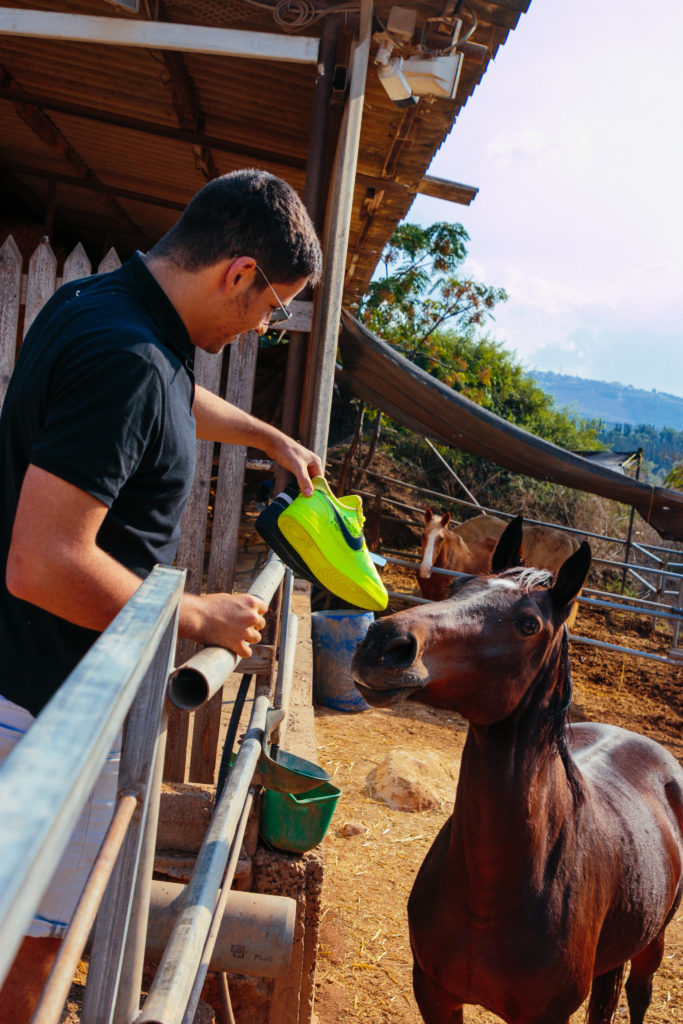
(101, 396)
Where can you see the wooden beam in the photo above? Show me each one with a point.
(185, 99)
(49, 134)
(158, 35)
(451, 191)
(439, 188)
(91, 186)
(225, 145)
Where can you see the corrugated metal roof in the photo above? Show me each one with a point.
(144, 130)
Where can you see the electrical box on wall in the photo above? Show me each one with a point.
(128, 5)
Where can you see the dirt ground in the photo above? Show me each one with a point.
(364, 964)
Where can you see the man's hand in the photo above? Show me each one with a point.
(218, 420)
(54, 562)
(302, 462)
(234, 621)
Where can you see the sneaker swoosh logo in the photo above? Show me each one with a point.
(355, 543)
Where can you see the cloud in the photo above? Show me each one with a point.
(565, 147)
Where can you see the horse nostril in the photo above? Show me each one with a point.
(400, 651)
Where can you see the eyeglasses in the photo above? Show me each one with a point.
(280, 315)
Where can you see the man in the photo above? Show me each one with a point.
(97, 447)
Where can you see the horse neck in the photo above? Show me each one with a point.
(514, 801)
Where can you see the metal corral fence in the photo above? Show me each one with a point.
(662, 581)
(45, 781)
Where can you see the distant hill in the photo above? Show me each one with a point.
(612, 402)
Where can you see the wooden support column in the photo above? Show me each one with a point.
(317, 400)
(191, 558)
(224, 541)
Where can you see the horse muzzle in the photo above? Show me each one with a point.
(386, 665)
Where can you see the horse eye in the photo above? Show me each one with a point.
(528, 625)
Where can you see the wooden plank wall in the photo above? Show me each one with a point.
(21, 297)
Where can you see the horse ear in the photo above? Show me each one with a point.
(445, 519)
(571, 577)
(508, 553)
(428, 515)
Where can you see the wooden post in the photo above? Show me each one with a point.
(42, 281)
(76, 265)
(224, 540)
(191, 558)
(10, 288)
(317, 400)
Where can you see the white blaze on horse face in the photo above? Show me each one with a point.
(428, 555)
(495, 582)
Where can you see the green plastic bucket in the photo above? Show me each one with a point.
(297, 822)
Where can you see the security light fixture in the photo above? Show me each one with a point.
(405, 79)
(128, 5)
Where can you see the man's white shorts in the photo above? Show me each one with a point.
(62, 893)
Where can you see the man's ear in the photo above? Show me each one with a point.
(238, 272)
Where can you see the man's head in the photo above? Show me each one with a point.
(242, 249)
(246, 213)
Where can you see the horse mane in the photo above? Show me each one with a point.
(556, 722)
(527, 578)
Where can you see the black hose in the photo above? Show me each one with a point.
(224, 770)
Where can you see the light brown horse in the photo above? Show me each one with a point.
(563, 858)
(468, 548)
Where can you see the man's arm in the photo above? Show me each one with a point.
(54, 562)
(218, 420)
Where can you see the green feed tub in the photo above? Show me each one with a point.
(298, 822)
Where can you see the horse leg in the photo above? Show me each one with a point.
(639, 984)
(435, 1005)
(604, 996)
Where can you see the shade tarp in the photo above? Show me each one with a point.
(380, 376)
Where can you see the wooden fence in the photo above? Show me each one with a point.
(191, 750)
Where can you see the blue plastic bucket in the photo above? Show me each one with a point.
(335, 636)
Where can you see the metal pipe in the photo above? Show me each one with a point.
(619, 650)
(255, 935)
(202, 675)
(172, 985)
(46, 779)
(130, 982)
(53, 996)
(218, 913)
(115, 970)
(453, 473)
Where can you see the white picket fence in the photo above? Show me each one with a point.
(22, 295)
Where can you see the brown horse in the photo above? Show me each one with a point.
(465, 547)
(563, 858)
(468, 548)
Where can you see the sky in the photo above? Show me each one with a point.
(574, 138)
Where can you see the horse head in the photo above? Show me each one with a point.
(433, 533)
(478, 651)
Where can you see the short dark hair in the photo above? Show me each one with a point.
(246, 213)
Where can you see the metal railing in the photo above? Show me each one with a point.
(46, 779)
(45, 782)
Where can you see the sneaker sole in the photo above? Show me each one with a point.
(332, 579)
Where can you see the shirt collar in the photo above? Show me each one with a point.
(173, 330)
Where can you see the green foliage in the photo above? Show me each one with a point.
(675, 477)
(433, 314)
(421, 289)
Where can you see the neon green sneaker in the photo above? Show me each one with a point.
(327, 533)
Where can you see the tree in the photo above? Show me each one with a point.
(675, 477)
(422, 290)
